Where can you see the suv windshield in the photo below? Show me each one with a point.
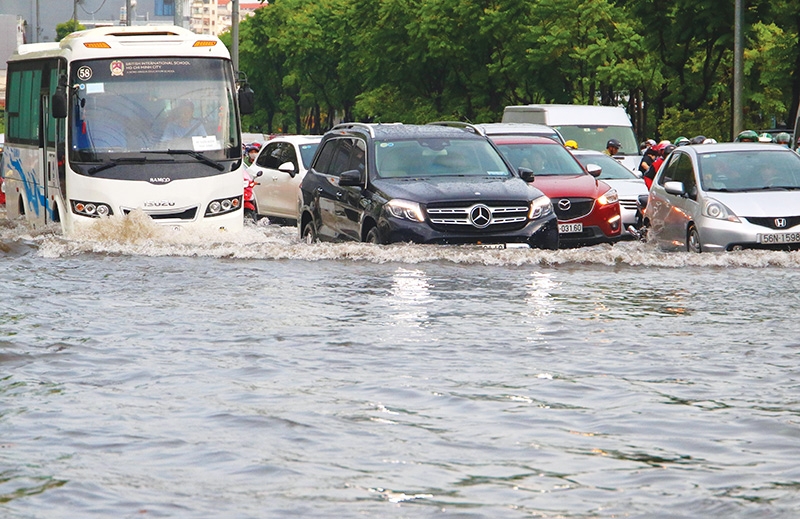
(542, 159)
(128, 106)
(436, 156)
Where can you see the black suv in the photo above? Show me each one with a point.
(384, 183)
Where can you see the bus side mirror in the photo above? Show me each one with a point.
(247, 100)
(58, 103)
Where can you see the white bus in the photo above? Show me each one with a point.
(114, 119)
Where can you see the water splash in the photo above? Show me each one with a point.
(137, 234)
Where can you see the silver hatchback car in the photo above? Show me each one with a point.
(722, 197)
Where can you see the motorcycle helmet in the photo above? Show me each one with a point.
(571, 144)
(747, 136)
(698, 139)
(681, 141)
(783, 138)
(765, 137)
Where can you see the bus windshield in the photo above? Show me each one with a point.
(131, 106)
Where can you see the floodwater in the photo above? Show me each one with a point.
(146, 373)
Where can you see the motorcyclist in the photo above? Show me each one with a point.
(747, 136)
(784, 139)
(612, 147)
(251, 152)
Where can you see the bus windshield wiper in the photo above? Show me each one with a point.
(113, 162)
(199, 156)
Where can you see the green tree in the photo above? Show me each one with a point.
(65, 28)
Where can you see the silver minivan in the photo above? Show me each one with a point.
(723, 197)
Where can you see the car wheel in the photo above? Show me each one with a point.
(693, 240)
(374, 237)
(310, 233)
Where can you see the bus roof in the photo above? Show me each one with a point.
(126, 41)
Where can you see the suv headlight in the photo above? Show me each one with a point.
(718, 211)
(405, 210)
(540, 207)
(609, 197)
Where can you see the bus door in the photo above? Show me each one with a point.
(48, 157)
(52, 143)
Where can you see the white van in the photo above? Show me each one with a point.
(590, 126)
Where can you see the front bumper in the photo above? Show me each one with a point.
(722, 235)
(541, 233)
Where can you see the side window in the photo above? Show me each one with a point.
(24, 91)
(341, 156)
(288, 154)
(270, 157)
(684, 172)
(323, 162)
(668, 171)
(358, 157)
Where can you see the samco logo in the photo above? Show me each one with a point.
(117, 68)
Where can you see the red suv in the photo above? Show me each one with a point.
(588, 209)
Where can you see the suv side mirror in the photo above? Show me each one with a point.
(526, 174)
(594, 170)
(288, 167)
(350, 178)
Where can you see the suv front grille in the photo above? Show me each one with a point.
(571, 208)
(478, 217)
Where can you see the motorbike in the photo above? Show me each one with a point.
(639, 230)
(250, 210)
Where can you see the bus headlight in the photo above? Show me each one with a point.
(91, 209)
(223, 206)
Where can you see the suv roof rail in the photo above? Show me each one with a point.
(368, 126)
(459, 124)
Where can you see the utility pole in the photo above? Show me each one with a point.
(128, 13)
(177, 13)
(74, 10)
(38, 24)
(235, 35)
(738, 67)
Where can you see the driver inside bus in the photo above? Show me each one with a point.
(183, 123)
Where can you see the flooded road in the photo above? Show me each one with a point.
(146, 373)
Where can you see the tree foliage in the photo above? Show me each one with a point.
(313, 63)
(70, 26)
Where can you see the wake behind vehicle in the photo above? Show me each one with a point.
(116, 119)
(588, 210)
(724, 197)
(385, 183)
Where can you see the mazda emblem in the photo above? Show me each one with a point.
(480, 216)
(780, 223)
(564, 204)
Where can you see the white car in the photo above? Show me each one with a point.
(628, 185)
(722, 197)
(278, 170)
